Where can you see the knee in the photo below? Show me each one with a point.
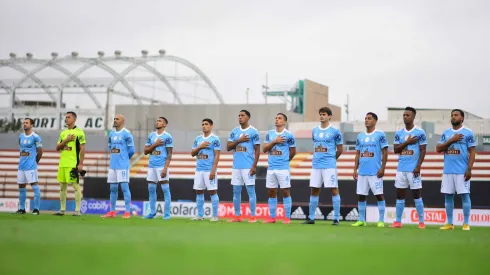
(76, 187)
(63, 186)
(114, 188)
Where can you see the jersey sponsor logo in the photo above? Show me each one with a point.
(202, 156)
(407, 152)
(67, 148)
(437, 216)
(453, 151)
(275, 152)
(115, 151)
(156, 152)
(24, 154)
(321, 149)
(241, 149)
(367, 154)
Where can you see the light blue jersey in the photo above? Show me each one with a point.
(28, 151)
(456, 156)
(119, 147)
(409, 157)
(159, 155)
(205, 157)
(279, 154)
(325, 141)
(371, 156)
(243, 155)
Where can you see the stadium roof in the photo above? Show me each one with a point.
(432, 109)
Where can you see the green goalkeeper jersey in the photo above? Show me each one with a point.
(70, 153)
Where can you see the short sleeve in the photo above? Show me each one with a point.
(60, 139)
(358, 144)
(216, 144)
(255, 137)
(81, 137)
(169, 141)
(338, 138)
(313, 134)
(194, 146)
(397, 138)
(129, 140)
(39, 142)
(148, 140)
(422, 138)
(231, 137)
(267, 138)
(443, 138)
(470, 140)
(383, 141)
(291, 141)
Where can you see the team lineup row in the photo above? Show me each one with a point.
(457, 143)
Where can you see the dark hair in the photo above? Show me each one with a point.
(246, 112)
(166, 121)
(325, 110)
(458, 110)
(210, 121)
(373, 115)
(30, 120)
(72, 113)
(285, 117)
(411, 109)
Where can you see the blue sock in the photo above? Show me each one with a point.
(362, 210)
(215, 204)
(152, 192)
(272, 207)
(113, 196)
(313, 206)
(400, 205)
(449, 203)
(168, 198)
(466, 207)
(37, 196)
(419, 205)
(200, 205)
(381, 209)
(287, 206)
(127, 195)
(237, 198)
(336, 207)
(252, 199)
(22, 198)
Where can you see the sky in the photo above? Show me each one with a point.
(426, 54)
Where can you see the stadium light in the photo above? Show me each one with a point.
(54, 55)
(144, 53)
(161, 52)
(29, 56)
(13, 55)
(100, 54)
(74, 54)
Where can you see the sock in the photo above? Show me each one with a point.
(237, 198)
(466, 207)
(419, 205)
(272, 207)
(127, 195)
(37, 196)
(113, 196)
(381, 209)
(287, 206)
(362, 210)
(78, 196)
(167, 197)
(252, 199)
(215, 204)
(22, 198)
(152, 194)
(449, 203)
(313, 206)
(400, 205)
(336, 207)
(200, 205)
(63, 189)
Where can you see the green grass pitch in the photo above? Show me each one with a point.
(90, 245)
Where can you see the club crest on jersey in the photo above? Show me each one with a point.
(367, 139)
(406, 137)
(115, 138)
(367, 154)
(320, 135)
(25, 141)
(453, 151)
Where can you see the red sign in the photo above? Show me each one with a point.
(226, 210)
(437, 216)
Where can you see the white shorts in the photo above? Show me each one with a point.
(202, 181)
(242, 177)
(27, 176)
(405, 179)
(327, 177)
(117, 176)
(155, 175)
(364, 183)
(454, 183)
(278, 178)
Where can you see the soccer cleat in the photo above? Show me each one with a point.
(166, 217)
(59, 213)
(20, 212)
(308, 221)
(197, 218)
(466, 227)
(110, 214)
(214, 219)
(447, 227)
(358, 223)
(35, 212)
(335, 222)
(126, 215)
(236, 219)
(396, 225)
(286, 221)
(269, 220)
(252, 220)
(150, 216)
(381, 224)
(76, 214)
(421, 225)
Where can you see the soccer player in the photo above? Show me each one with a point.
(458, 145)
(206, 149)
(244, 141)
(327, 146)
(371, 157)
(280, 145)
(71, 143)
(410, 144)
(121, 148)
(31, 151)
(159, 145)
